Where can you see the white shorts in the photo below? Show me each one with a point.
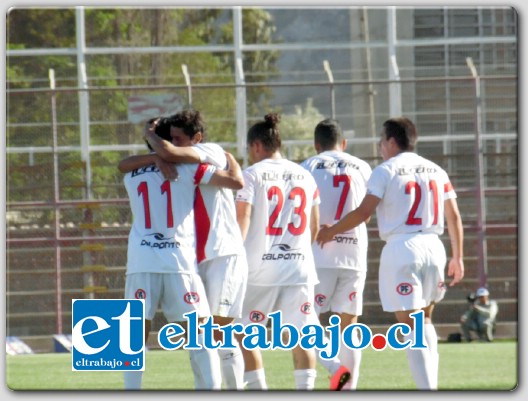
(411, 274)
(340, 290)
(176, 294)
(294, 301)
(225, 280)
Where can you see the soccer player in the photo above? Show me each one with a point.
(221, 256)
(342, 263)
(278, 214)
(161, 260)
(412, 196)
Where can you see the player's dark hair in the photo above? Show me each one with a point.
(190, 122)
(267, 132)
(403, 131)
(162, 129)
(328, 133)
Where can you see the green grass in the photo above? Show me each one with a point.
(473, 366)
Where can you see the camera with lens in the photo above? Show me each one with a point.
(471, 297)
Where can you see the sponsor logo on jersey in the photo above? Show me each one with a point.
(404, 288)
(416, 170)
(191, 298)
(143, 170)
(336, 163)
(285, 176)
(340, 239)
(108, 334)
(290, 255)
(161, 242)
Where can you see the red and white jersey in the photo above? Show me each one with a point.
(412, 190)
(162, 238)
(278, 243)
(217, 231)
(342, 182)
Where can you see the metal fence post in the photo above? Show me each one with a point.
(56, 197)
(479, 191)
(330, 75)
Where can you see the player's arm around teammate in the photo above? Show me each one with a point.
(167, 154)
(368, 207)
(353, 219)
(413, 197)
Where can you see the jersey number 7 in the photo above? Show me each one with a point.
(345, 180)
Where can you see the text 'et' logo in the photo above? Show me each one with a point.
(108, 335)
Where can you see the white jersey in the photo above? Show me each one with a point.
(217, 231)
(278, 243)
(412, 190)
(342, 181)
(162, 238)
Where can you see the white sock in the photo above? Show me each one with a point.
(133, 380)
(305, 379)
(232, 364)
(208, 364)
(255, 380)
(432, 343)
(419, 364)
(329, 364)
(352, 360)
(198, 381)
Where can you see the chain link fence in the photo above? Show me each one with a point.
(68, 218)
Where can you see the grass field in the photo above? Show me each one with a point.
(473, 366)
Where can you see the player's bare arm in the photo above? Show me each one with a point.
(134, 162)
(243, 211)
(230, 178)
(351, 220)
(314, 221)
(455, 268)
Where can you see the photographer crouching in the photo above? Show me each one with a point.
(481, 316)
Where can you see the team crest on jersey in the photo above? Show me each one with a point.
(320, 299)
(141, 294)
(404, 288)
(352, 295)
(256, 316)
(306, 308)
(191, 298)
